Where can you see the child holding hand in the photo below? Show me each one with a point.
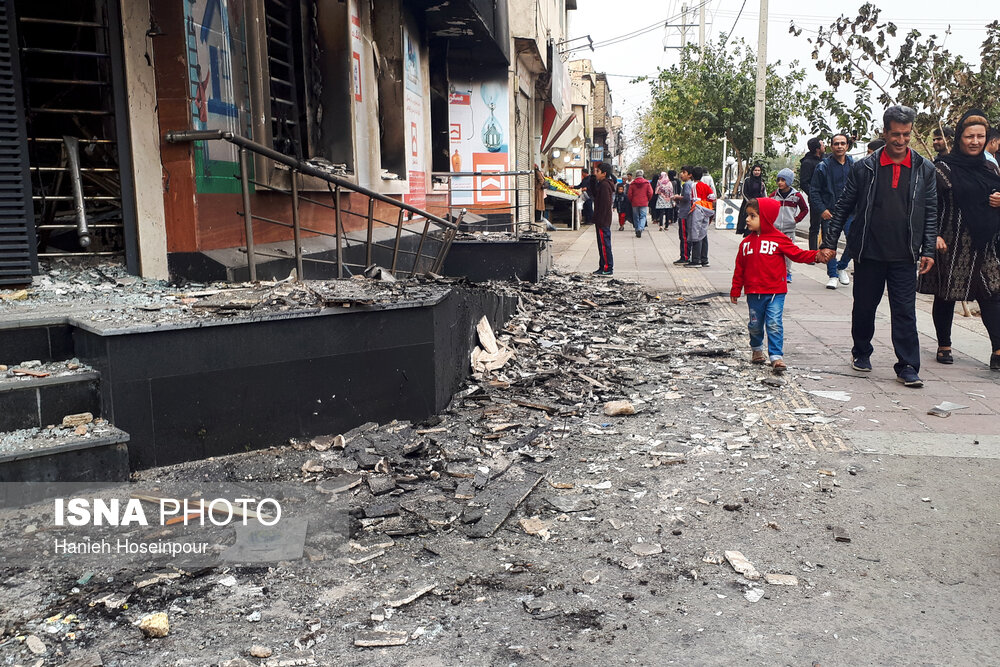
(760, 272)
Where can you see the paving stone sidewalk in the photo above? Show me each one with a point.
(881, 415)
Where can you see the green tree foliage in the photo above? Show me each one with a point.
(867, 56)
(710, 95)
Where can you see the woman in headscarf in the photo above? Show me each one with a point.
(664, 200)
(753, 188)
(967, 265)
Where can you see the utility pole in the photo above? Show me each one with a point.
(701, 28)
(758, 112)
(684, 30)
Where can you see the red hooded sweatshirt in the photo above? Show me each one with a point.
(760, 263)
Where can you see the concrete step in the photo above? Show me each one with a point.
(61, 455)
(44, 339)
(35, 402)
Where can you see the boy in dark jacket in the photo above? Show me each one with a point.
(760, 272)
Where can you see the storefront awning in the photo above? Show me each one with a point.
(558, 131)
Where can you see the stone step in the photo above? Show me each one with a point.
(44, 339)
(28, 401)
(62, 454)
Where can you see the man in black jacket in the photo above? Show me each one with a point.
(807, 165)
(892, 194)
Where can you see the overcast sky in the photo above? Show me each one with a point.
(608, 19)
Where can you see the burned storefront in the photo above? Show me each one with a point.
(64, 102)
(339, 109)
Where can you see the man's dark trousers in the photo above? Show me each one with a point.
(606, 261)
(815, 223)
(871, 278)
(682, 236)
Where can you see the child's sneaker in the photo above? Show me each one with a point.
(758, 357)
(778, 366)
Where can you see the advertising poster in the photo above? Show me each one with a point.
(478, 117)
(414, 123)
(219, 94)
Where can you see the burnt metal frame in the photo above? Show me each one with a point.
(335, 185)
(521, 201)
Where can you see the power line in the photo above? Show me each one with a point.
(647, 29)
(729, 34)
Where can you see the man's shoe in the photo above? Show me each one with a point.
(843, 277)
(908, 376)
(704, 265)
(832, 283)
(758, 357)
(602, 272)
(681, 261)
(862, 364)
(693, 265)
(995, 362)
(778, 366)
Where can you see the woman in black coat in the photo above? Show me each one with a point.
(753, 188)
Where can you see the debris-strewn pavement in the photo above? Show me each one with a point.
(615, 484)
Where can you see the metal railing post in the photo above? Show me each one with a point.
(420, 248)
(340, 248)
(395, 248)
(446, 243)
(371, 225)
(296, 228)
(247, 216)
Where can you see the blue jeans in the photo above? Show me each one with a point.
(765, 314)
(845, 257)
(639, 215)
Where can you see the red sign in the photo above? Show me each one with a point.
(490, 189)
(418, 190)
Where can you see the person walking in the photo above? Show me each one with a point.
(664, 200)
(700, 219)
(540, 186)
(586, 189)
(629, 217)
(793, 210)
(753, 188)
(942, 140)
(893, 196)
(760, 273)
(621, 205)
(967, 266)
(639, 194)
(685, 200)
(603, 196)
(827, 184)
(807, 167)
(993, 145)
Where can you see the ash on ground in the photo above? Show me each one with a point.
(578, 496)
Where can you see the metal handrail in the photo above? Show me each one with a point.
(520, 202)
(335, 186)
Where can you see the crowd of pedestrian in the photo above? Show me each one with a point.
(911, 225)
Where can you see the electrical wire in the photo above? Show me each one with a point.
(650, 28)
(730, 33)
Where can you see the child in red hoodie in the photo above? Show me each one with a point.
(760, 272)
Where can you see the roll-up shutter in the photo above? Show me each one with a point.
(17, 220)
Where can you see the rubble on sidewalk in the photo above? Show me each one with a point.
(520, 491)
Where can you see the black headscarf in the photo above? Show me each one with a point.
(753, 186)
(973, 179)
